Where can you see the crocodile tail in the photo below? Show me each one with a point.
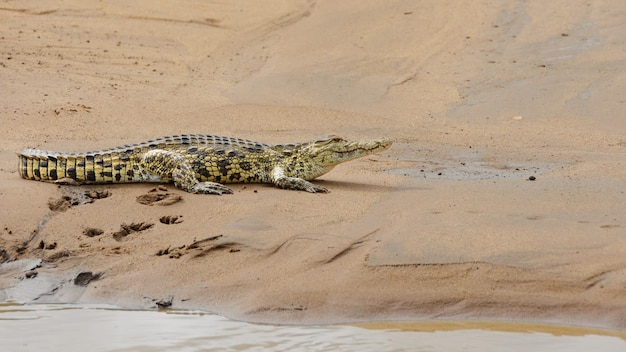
(39, 165)
(91, 167)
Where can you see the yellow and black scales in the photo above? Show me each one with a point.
(200, 163)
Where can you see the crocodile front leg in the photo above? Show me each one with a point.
(166, 164)
(295, 183)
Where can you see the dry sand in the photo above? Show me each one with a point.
(478, 96)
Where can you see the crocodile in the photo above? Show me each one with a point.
(199, 163)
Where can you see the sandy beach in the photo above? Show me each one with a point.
(502, 197)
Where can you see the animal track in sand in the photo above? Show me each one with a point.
(158, 196)
(58, 255)
(73, 197)
(92, 232)
(201, 248)
(49, 246)
(126, 230)
(171, 219)
(84, 278)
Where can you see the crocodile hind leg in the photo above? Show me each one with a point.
(166, 164)
(295, 183)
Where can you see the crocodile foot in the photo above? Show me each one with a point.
(298, 184)
(210, 188)
(309, 187)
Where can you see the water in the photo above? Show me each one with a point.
(105, 328)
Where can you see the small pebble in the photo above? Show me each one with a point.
(532, 178)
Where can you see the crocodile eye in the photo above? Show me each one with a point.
(328, 139)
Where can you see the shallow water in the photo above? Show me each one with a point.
(105, 328)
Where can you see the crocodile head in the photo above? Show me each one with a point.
(319, 156)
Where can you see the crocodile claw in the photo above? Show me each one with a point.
(211, 188)
(309, 187)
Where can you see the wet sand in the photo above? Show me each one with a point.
(103, 328)
(67, 327)
(447, 224)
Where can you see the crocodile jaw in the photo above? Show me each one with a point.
(326, 153)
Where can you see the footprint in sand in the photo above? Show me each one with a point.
(171, 219)
(73, 197)
(92, 232)
(126, 230)
(156, 197)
